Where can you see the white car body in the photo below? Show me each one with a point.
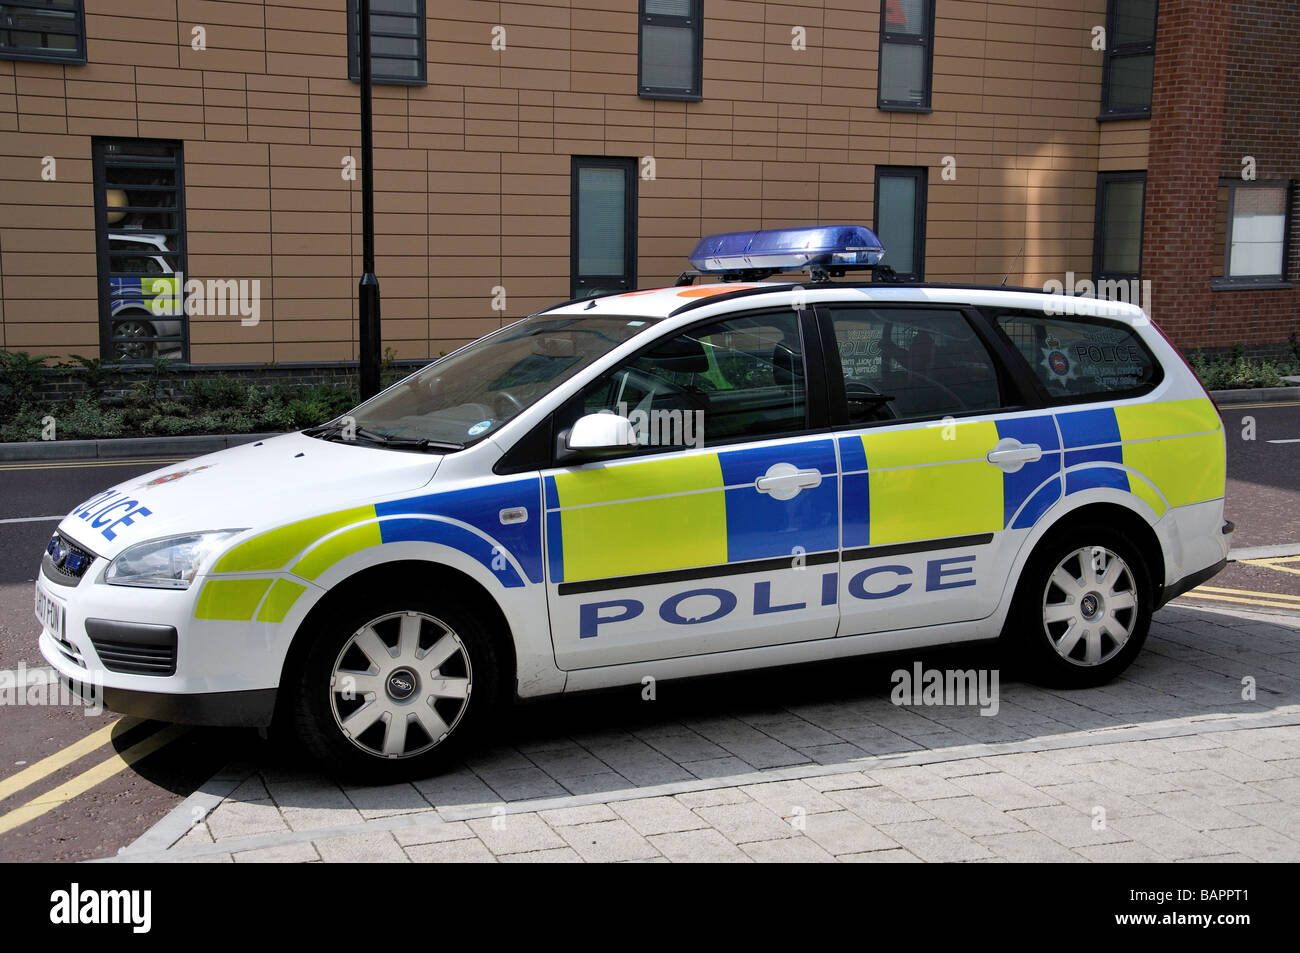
(229, 670)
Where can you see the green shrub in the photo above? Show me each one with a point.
(1226, 372)
(20, 376)
(161, 404)
(88, 420)
(27, 424)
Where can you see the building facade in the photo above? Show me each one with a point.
(527, 152)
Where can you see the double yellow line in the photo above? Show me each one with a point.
(74, 787)
(91, 464)
(1277, 564)
(1251, 597)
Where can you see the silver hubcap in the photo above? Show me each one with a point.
(1090, 606)
(133, 329)
(400, 685)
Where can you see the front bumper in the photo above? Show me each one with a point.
(142, 652)
(247, 709)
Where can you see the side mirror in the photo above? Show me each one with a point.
(600, 433)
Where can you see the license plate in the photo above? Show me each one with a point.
(51, 612)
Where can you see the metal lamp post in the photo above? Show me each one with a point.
(368, 289)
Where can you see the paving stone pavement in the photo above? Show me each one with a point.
(1177, 761)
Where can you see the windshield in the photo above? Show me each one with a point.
(473, 392)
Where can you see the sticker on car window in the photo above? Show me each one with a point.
(479, 427)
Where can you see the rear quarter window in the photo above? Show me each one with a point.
(1077, 358)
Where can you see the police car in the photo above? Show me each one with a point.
(143, 298)
(663, 483)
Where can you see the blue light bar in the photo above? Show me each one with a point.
(788, 249)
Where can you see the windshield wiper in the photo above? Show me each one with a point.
(422, 444)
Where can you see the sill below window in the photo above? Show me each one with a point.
(903, 108)
(1139, 114)
(65, 59)
(679, 97)
(1235, 284)
(391, 81)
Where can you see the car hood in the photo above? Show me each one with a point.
(255, 486)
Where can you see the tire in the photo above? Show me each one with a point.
(136, 329)
(366, 717)
(1072, 626)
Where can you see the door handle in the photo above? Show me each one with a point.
(783, 481)
(1010, 454)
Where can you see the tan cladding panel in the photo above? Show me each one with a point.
(473, 170)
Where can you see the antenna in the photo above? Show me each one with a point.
(1013, 265)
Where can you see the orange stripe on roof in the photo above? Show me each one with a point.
(705, 291)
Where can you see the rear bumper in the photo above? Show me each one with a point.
(1175, 589)
(246, 709)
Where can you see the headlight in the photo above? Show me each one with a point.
(170, 563)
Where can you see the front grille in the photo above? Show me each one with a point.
(64, 561)
(133, 648)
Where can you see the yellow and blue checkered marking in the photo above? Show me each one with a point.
(685, 512)
(307, 548)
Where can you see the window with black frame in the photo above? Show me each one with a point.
(900, 220)
(47, 30)
(909, 363)
(1252, 231)
(140, 239)
(602, 225)
(397, 48)
(1117, 233)
(1130, 59)
(671, 49)
(906, 55)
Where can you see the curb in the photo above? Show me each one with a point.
(1251, 395)
(124, 448)
(190, 812)
(1278, 551)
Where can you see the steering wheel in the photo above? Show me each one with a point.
(505, 405)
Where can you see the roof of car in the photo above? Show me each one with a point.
(667, 302)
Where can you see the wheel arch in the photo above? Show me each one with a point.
(397, 575)
(1127, 520)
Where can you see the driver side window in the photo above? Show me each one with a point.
(908, 363)
(740, 378)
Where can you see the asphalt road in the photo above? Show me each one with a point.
(63, 797)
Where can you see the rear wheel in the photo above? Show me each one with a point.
(1082, 608)
(396, 688)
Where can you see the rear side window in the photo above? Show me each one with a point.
(1081, 358)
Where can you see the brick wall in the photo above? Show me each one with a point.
(473, 169)
(1227, 84)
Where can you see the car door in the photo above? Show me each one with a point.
(721, 530)
(940, 459)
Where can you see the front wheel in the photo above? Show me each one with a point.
(396, 688)
(1082, 608)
